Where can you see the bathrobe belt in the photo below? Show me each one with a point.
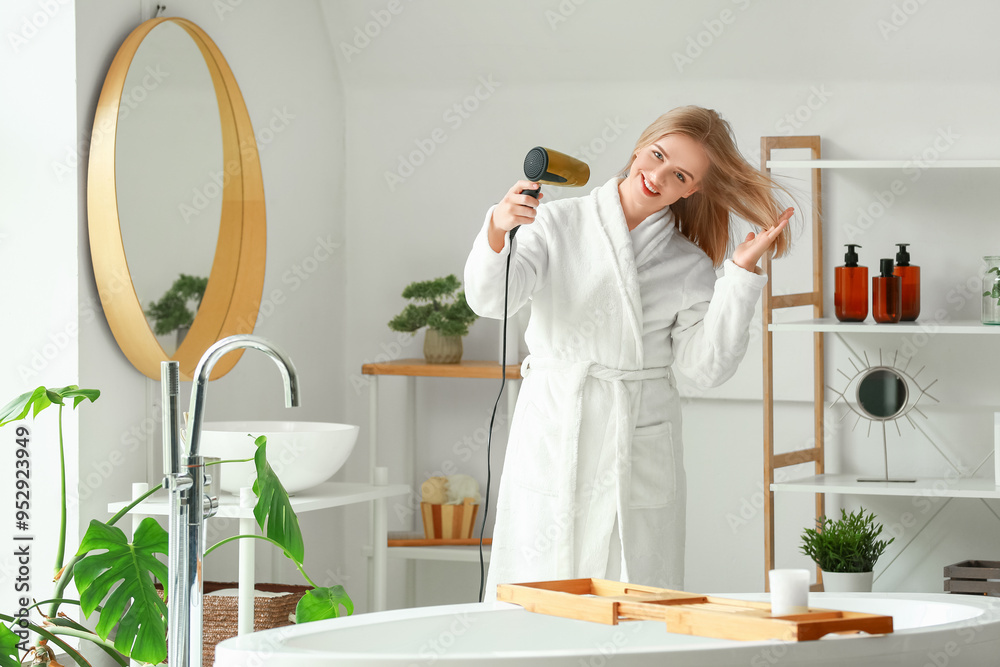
(579, 371)
(594, 369)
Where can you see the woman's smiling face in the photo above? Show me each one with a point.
(670, 168)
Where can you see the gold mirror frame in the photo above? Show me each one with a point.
(236, 282)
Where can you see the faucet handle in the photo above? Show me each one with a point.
(177, 482)
(209, 506)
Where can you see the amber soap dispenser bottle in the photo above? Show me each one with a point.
(887, 291)
(911, 284)
(850, 293)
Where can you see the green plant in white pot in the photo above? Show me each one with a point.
(446, 315)
(846, 550)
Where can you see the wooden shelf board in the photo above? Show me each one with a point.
(460, 542)
(883, 164)
(832, 325)
(937, 487)
(463, 369)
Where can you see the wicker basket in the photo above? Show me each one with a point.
(449, 522)
(221, 612)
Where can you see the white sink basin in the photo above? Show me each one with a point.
(303, 454)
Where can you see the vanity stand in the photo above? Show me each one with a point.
(821, 483)
(319, 497)
(411, 369)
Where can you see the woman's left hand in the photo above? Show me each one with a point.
(748, 253)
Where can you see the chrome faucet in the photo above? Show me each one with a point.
(189, 505)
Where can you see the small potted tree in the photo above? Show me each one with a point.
(845, 550)
(446, 315)
(171, 312)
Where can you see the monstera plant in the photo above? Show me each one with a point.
(117, 579)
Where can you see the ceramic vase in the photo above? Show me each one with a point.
(847, 582)
(182, 332)
(440, 349)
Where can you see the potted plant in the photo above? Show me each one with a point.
(117, 578)
(446, 315)
(845, 550)
(171, 312)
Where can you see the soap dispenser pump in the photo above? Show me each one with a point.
(910, 276)
(886, 294)
(850, 294)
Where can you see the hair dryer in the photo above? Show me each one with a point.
(548, 166)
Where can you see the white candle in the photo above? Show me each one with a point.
(789, 592)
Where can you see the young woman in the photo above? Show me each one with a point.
(623, 287)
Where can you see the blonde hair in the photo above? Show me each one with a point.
(731, 184)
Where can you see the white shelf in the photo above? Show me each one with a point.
(833, 325)
(848, 484)
(468, 554)
(459, 554)
(883, 164)
(322, 496)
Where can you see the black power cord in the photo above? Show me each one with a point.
(489, 437)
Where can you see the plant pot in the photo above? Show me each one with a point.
(847, 582)
(440, 349)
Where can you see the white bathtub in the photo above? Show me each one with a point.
(933, 630)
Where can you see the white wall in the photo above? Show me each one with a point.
(591, 83)
(281, 59)
(54, 328)
(55, 59)
(38, 251)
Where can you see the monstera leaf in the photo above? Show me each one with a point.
(319, 604)
(274, 507)
(41, 398)
(8, 647)
(131, 567)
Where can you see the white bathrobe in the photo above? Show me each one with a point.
(593, 480)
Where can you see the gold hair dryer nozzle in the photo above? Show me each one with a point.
(548, 166)
(552, 167)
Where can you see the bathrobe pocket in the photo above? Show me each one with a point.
(654, 473)
(537, 450)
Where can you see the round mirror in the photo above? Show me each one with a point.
(169, 127)
(882, 393)
(175, 191)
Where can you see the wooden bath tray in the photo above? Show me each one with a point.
(609, 602)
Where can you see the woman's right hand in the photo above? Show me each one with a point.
(513, 210)
(516, 209)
